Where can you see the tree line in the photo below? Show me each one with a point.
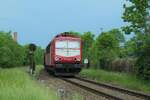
(13, 54)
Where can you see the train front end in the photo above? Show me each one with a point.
(68, 55)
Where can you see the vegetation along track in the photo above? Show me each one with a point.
(106, 90)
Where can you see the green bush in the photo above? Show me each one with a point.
(39, 55)
(11, 53)
(107, 46)
(6, 57)
(143, 61)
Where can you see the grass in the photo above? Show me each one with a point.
(121, 79)
(16, 84)
(77, 97)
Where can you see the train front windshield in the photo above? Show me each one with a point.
(67, 48)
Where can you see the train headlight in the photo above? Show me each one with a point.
(56, 59)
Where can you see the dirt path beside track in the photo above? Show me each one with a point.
(66, 90)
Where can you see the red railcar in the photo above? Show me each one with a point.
(63, 55)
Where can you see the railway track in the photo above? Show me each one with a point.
(106, 90)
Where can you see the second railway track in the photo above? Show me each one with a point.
(108, 91)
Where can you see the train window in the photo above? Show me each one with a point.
(67, 44)
(61, 44)
(73, 44)
(67, 52)
(67, 48)
(73, 52)
(62, 52)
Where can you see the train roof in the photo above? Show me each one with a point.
(66, 34)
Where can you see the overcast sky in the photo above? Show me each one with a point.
(38, 21)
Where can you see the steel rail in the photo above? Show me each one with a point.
(123, 90)
(111, 97)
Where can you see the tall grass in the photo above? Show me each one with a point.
(15, 84)
(122, 79)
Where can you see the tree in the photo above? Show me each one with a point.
(7, 58)
(39, 55)
(10, 51)
(118, 34)
(105, 48)
(88, 40)
(93, 52)
(107, 44)
(130, 48)
(143, 61)
(75, 33)
(136, 15)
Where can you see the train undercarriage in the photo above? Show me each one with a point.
(64, 69)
